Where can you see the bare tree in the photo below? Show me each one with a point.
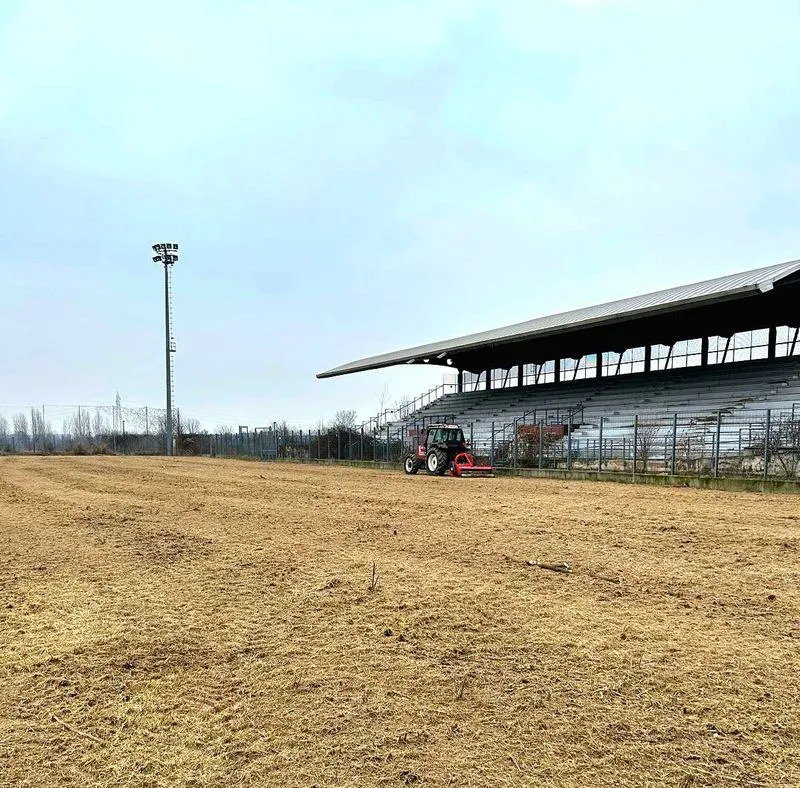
(345, 420)
(783, 444)
(81, 427)
(403, 405)
(3, 431)
(20, 423)
(99, 426)
(186, 432)
(192, 426)
(647, 436)
(38, 428)
(383, 401)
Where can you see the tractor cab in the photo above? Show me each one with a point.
(447, 437)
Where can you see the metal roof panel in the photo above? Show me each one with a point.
(674, 298)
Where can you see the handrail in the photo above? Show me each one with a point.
(557, 413)
(406, 409)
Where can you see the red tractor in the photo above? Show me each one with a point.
(441, 449)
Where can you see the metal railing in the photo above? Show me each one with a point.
(404, 410)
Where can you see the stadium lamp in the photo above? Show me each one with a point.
(167, 255)
(441, 355)
(449, 362)
(425, 360)
(411, 361)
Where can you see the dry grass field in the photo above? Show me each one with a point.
(210, 623)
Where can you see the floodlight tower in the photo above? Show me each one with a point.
(167, 255)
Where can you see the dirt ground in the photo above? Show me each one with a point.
(211, 623)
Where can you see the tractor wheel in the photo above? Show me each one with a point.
(410, 465)
(436, 462)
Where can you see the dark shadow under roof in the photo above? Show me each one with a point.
(702, 305)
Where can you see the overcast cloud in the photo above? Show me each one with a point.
(350, 178)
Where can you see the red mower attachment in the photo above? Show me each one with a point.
(464, 465)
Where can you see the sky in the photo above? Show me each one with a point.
(351, 178)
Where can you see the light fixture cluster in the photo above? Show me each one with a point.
(165, 253)
(449, 361)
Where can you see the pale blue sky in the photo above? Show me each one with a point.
(325, 166)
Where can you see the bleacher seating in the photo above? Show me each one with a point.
(697, 392)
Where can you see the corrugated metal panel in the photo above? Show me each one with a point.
(710, 290)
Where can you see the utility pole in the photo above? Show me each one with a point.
(167, 255)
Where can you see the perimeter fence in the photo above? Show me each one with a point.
(739, 442)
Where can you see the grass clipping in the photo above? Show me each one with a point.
(204, 623)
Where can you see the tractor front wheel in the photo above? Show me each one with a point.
(410, 465)
(436, 462)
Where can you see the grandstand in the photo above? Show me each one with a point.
(708, 359)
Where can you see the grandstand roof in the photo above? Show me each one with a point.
(666, 315)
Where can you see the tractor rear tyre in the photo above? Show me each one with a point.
(436, 462)
(410, 465)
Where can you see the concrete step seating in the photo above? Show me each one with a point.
(740, 391)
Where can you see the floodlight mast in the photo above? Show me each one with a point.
(167, 255)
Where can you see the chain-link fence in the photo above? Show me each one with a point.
(755, 443)
(738, 443)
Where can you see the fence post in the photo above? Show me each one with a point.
(740, 451)
(361, 449)
(541, 442)
(569, 442)
(491, 462)
(716, 441)
(516, 445)
(635, 441)
(766, 445)
(600, 447)
(674, 440)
